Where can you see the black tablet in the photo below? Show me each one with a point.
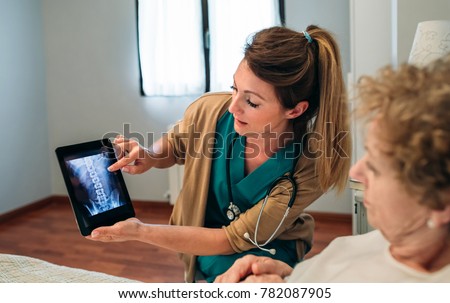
(98, 197)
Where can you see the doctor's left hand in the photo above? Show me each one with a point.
(121, 231)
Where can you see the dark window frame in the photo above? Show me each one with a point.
(206, 51)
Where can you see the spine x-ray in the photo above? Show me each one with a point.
(94, 184)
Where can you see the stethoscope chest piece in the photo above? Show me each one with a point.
(233, 212)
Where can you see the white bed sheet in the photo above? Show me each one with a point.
(23, 269)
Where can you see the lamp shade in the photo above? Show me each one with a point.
(432, 41)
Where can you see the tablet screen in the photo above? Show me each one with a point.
(94, 186)
(98, 197)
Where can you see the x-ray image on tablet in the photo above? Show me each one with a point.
(98, 197)
(93, 184)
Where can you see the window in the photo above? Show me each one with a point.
(187, 47)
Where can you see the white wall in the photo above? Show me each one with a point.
(372, 46)
(411, 12)
(382, 33)
(25, 173)
(90, 81)
(333, 15)
(93, 83)
(93, 79)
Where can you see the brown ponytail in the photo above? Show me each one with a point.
(303, 70)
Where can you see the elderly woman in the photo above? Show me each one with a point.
(406, 174)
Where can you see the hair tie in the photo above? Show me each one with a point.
(307, 36)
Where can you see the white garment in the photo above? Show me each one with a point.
(362, 258)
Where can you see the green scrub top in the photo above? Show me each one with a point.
(246, 190)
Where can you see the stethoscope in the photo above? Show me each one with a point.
(233, 211)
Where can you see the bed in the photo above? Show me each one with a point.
(23, 269)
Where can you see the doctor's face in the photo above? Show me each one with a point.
(255, 106)
(390, 207)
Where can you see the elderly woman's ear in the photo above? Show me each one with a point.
(440, 218)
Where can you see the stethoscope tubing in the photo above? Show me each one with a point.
(286, 213)
(293, 194)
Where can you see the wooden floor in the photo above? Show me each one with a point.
(50, 233)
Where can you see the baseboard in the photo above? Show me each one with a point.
(26, 209)
(319, 216)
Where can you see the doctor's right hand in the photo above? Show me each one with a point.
(132, 157)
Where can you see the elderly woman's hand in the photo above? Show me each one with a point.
(255, 269)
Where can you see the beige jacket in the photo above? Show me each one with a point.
(192, 140)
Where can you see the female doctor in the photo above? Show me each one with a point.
(286, 117)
